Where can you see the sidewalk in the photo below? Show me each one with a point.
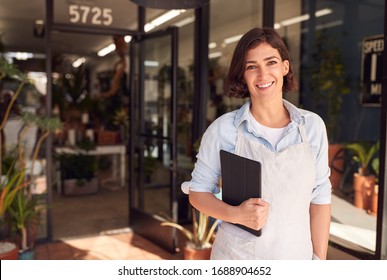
(122, 245)
(114, 246)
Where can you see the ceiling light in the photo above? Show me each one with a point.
(185, 21)
(212, 45)
(294, 20)
(323, 12)
(214, 55)
(162, 19)
(287, 22)
(20, 55)
(151, 63)
(149, 26)
(166, 17)
(24, 55)
(127, 38)
(79, 62)
(106, 50)
(232, 39)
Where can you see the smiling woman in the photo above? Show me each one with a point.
(291, 145)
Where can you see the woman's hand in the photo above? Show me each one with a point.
(252, 213)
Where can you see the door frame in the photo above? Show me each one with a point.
(142, 223)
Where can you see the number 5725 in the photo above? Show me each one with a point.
(93, 15)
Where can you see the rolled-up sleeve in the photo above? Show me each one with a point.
(322, 191)
(206, 174)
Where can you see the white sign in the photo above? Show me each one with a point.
(96, 13)
(90, 15)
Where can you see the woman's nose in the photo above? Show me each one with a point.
(261, 71)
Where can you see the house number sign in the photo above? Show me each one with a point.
(94, 15)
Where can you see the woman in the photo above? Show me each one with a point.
(290, 143)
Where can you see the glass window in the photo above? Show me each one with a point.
(288, 19)
(229, 20)
(340, 65)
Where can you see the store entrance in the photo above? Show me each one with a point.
(152, 149)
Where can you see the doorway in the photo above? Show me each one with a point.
(152, 149)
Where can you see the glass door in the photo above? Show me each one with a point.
(152, 144)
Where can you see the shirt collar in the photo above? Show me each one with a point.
(296, 115)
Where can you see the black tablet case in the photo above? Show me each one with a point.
(241, 180)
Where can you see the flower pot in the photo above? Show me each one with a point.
(336, 163)
(27, 255)
(197, 254)
(71, 187)
(8, 251)
(373, 210)
(363, 186)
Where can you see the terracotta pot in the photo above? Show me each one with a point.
(363, 187)
(8, 251)
(336, 163)
(374, 200)
(197, 254)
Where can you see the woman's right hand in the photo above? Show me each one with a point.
(252, 213)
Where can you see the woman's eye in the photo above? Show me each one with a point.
(272, 62)
(250, 67)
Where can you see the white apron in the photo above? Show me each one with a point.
(288, 177)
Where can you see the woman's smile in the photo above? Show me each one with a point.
(263, 86)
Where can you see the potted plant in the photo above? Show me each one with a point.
(78, 170)
(13, 180)
(10, 185)
(363, 180)
(18, 179)
(25, 212)
(198, 245)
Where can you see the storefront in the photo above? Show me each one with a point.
(171, 95)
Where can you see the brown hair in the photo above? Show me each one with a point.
(235, 86)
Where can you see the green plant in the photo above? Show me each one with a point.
(375, 167)
(363, 154)
(80, 166)
(329, 82)
(121, 119)
(16, 198)
(10, 185)
(202, 230)
(25, 212)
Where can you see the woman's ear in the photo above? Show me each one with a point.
(286, 67)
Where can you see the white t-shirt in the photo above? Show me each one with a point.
(273, 135)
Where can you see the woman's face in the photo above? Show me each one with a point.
(264, 72)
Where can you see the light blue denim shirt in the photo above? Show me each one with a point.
(222, 134)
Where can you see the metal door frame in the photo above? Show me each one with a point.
(51, 26)
(141, 222)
